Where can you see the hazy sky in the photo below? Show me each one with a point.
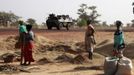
(110, 10)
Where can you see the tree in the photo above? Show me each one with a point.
(104, 23)
(82, 12)
(94, 14)
(86, 12)
(7, 17)
(82, 22)
(31, 21)
(128, 25)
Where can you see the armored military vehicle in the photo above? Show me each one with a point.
(59, 21)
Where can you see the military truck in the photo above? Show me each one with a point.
(59, 21)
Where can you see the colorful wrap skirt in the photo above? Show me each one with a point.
(26, 50)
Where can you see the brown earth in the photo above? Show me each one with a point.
(55, 44)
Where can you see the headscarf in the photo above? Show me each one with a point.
(91, 27)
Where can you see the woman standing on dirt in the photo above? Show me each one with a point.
(28, 57)
(89, 39)
(22, 34)
(118, 41)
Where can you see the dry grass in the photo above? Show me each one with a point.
(104, 46)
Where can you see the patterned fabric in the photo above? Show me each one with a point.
(26, 47)
(22, 38)
(89, 44)
(22, 34)
(89, 40)
(118, 40)
(22, 29)
(29, 36)
(28, 52)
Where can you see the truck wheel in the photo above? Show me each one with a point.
(58, 28)
(67, 27)
(49, 27)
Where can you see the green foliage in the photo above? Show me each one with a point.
(104, 24)
(6, 17)
(128, 24)
(82, 11)
(82, 22)
(31, 21)
(86, 12)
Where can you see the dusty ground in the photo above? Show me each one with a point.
(104, 45)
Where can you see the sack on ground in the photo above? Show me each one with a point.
(124, 67)
(110, 65)
(114, 66)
